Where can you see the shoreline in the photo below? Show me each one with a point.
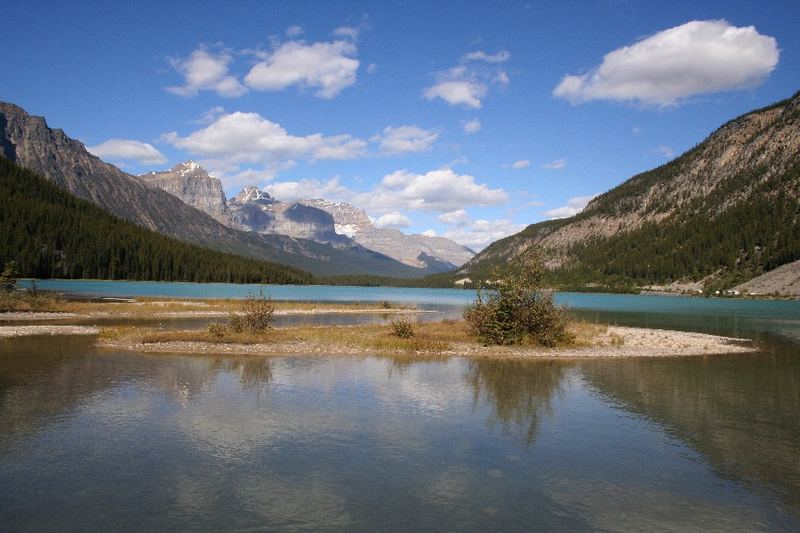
(445, 338)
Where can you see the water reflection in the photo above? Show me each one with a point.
(519, 394)
(739, 412)
(216, 442)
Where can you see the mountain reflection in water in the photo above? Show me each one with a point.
(213, 442)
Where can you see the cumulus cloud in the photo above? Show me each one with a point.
(456, 218)
(458, 86)
(479, 55)
(395, 219)
(128, 150)
(467, 84)
(438, 190)
(325, 67)
(250, 138)
(522, 163)
(405, 139)
(556, 164)
(206, 71)
(428, 233)
(574, 206)
(471, 126)
(667, 67)
(480, 233)
(331, 189)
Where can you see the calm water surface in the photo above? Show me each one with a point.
(92, 440)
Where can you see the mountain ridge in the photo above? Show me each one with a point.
(28, 141)
(723, 211)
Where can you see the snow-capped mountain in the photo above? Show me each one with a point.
(437, 253)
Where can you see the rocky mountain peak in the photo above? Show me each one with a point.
(251, 193)
(191, 183)
(433, 253)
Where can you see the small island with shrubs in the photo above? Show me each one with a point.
(514, 317)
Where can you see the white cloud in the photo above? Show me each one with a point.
(636, 130)
(347, 32)
(501, 78)
(471, 126)
(395, 219)
(664, 150)
(556, 164)
(574, 206)
(210, 115)
(522, 163)
(249, 138)
(500, 57)
(289, 191)
(467, 83)
(667, 67)
(294, 31)
(438, 190)
(480, 233)
(372, 68)
(428, 233)
(456, 218)
(405, 139)
(327, 67)
(458, 86)
(206, 71)
(128, 150)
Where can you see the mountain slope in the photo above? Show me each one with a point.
(29, 142)
(51, 233)
(725, 211)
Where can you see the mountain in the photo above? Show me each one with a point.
(258, 211)
(723, 212)
(50, 233)
(27, 141)
(436, 254)
(192, 184)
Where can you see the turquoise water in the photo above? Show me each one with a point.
(95, 441)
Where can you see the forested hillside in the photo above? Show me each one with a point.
(721, 213)
(50, 233)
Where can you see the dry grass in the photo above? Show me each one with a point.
(433, 337)
(429, 337)
(144, 307)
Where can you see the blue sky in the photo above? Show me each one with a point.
(463, 119)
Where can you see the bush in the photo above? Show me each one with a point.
(217, 329)
(516, 310)
(256, 315)
(402, 328)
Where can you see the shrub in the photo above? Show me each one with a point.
(402, 328)
(217, 329)
(516, 309)
(256, 315)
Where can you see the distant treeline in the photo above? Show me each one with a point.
(52, 234)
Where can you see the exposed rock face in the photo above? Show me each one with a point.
(752, 157)
(29, 142)
(436, 254)
(192, 184)
(258, 211)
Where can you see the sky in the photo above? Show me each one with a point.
(468, 120)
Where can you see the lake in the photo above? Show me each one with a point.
(96, 440)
